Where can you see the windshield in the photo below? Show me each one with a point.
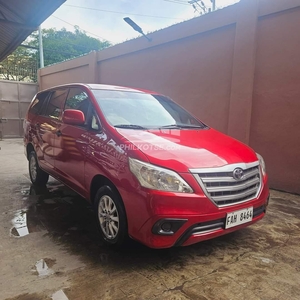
(143, 111)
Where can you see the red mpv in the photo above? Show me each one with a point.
(152, 171)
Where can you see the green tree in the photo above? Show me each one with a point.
(59, 45)
(62, 44)
(21, 65)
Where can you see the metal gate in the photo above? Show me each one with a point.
(15, 97)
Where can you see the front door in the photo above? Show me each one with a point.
(72, 143)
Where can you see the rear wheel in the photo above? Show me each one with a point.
(37, 175)
(111, 216)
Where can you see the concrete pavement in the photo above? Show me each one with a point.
(49, 249)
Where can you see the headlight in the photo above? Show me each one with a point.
(156, 178)
(262, 164)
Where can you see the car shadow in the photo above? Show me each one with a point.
(69, 220)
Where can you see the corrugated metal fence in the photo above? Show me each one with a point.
(14, 100)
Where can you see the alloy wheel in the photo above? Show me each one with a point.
(108, 217)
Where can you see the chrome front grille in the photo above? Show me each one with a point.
(223, 189)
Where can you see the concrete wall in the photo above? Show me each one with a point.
(236, 69)
(275, 119)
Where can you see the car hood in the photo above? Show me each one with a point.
(182, 150)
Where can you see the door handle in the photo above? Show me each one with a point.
(58, 133)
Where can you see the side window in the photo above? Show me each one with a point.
(38, 103)
(78, 99)
(55, 104)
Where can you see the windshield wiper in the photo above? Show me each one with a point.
(171, 126)
(130, 126)
(192, 126)
(180, 126)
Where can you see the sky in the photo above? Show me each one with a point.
(103, 19)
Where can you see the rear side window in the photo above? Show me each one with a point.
(38, 103)
(55, 104)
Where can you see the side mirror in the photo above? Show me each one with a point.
(73, 117)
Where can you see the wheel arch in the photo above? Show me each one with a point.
(99, 181)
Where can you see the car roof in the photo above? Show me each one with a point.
(93, 86)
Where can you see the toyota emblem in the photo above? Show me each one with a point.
(238, 174)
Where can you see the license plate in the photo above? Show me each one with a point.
(239, 217)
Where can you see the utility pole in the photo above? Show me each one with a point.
(198, 4)
(41, 48)
(213, 2)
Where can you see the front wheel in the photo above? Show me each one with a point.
(37, 175)
(111, 216)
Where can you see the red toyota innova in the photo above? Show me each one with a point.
(152, 171)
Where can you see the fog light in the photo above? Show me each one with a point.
(167, 226)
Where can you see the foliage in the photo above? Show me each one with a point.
(59, 45)
(62, 45)
(21, 65)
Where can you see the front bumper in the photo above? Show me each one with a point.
(207, 230)
(191, 227)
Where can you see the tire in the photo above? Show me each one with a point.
(111, 216)
(37, 176)
(36, 190)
